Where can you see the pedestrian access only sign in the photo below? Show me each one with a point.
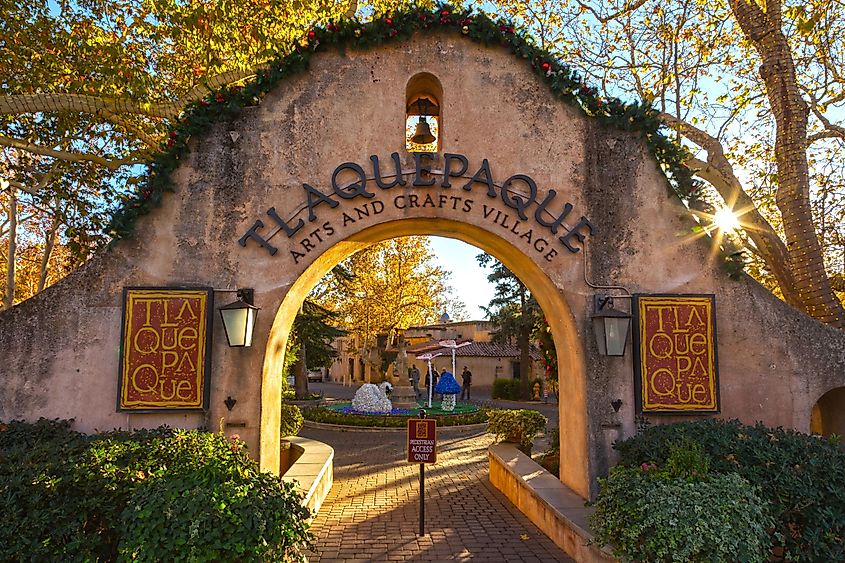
(422, 440)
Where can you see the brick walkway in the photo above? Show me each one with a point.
(372, 512)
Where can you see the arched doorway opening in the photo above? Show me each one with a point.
(571, 366)
(828, 415)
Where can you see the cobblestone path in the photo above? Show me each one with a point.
(372, 512)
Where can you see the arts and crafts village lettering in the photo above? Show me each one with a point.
(537, 223)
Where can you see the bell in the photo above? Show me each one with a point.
(422, 134)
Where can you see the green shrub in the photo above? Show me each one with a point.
(650, 516)
(518, 426)
(507, 389)
(199, 516)
(801, 477)
(62, 493)
(291, 420)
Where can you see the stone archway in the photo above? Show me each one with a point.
(572, 409)
(828, 414)
(262, 200)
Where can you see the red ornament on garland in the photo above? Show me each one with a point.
(312, 34)
(388, 21)
(546, 67)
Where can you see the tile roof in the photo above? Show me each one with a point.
(473, 349)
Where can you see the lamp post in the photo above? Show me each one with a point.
(428, 357)
(239, 319)
(452, 345)
(610, 326)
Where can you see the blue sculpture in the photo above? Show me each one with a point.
(449, 388)
(447, 385)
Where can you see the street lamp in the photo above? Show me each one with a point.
(451, 344)
(239, 319)
(428, 357)
(610, 326)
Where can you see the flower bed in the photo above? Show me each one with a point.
(342, 414)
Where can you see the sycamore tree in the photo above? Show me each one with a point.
(755, 90)
(392, 285)
(89, 90)
(310, 344)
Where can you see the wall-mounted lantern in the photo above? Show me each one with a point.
(610, 326)
(239, 318)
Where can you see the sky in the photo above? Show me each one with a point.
(468, 278)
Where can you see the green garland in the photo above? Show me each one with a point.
(564, 83)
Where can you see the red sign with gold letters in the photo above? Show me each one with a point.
(165, 346)
(675, 354)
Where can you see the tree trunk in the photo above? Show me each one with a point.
(301, 376)
(525, 362)
(763, 29)
(49, 243)
(9, 298)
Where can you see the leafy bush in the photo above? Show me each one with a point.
(801, 477)
(328, 416)
(199, 516)
(518, 426)
(291, 420)
(506, 389)
(650, 516)
(62, 493)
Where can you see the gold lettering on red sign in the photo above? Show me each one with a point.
(164, 349)
(677, 354)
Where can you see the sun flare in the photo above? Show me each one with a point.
(726, 220)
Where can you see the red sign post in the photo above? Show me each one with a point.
(422, 449)
(422, 440)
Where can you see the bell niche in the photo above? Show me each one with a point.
(423, 122)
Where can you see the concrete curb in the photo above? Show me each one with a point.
(313, 471)
(554, 508)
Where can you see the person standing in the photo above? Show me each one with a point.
(433, 380)
(466, 376)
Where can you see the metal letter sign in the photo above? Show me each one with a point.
(422, 440)
(164, 361)
(675, 354)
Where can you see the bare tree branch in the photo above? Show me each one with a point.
(67, 156)
(604, 19)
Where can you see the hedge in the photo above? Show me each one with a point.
(800, 477)
(162, 494)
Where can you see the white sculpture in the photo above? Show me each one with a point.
(372, 398)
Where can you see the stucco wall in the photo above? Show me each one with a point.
(59, 350)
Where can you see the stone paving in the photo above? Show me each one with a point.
(372, 512)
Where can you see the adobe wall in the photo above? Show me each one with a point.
(59, 350)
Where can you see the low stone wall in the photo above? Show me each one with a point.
(312, 471)
(548, 503)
